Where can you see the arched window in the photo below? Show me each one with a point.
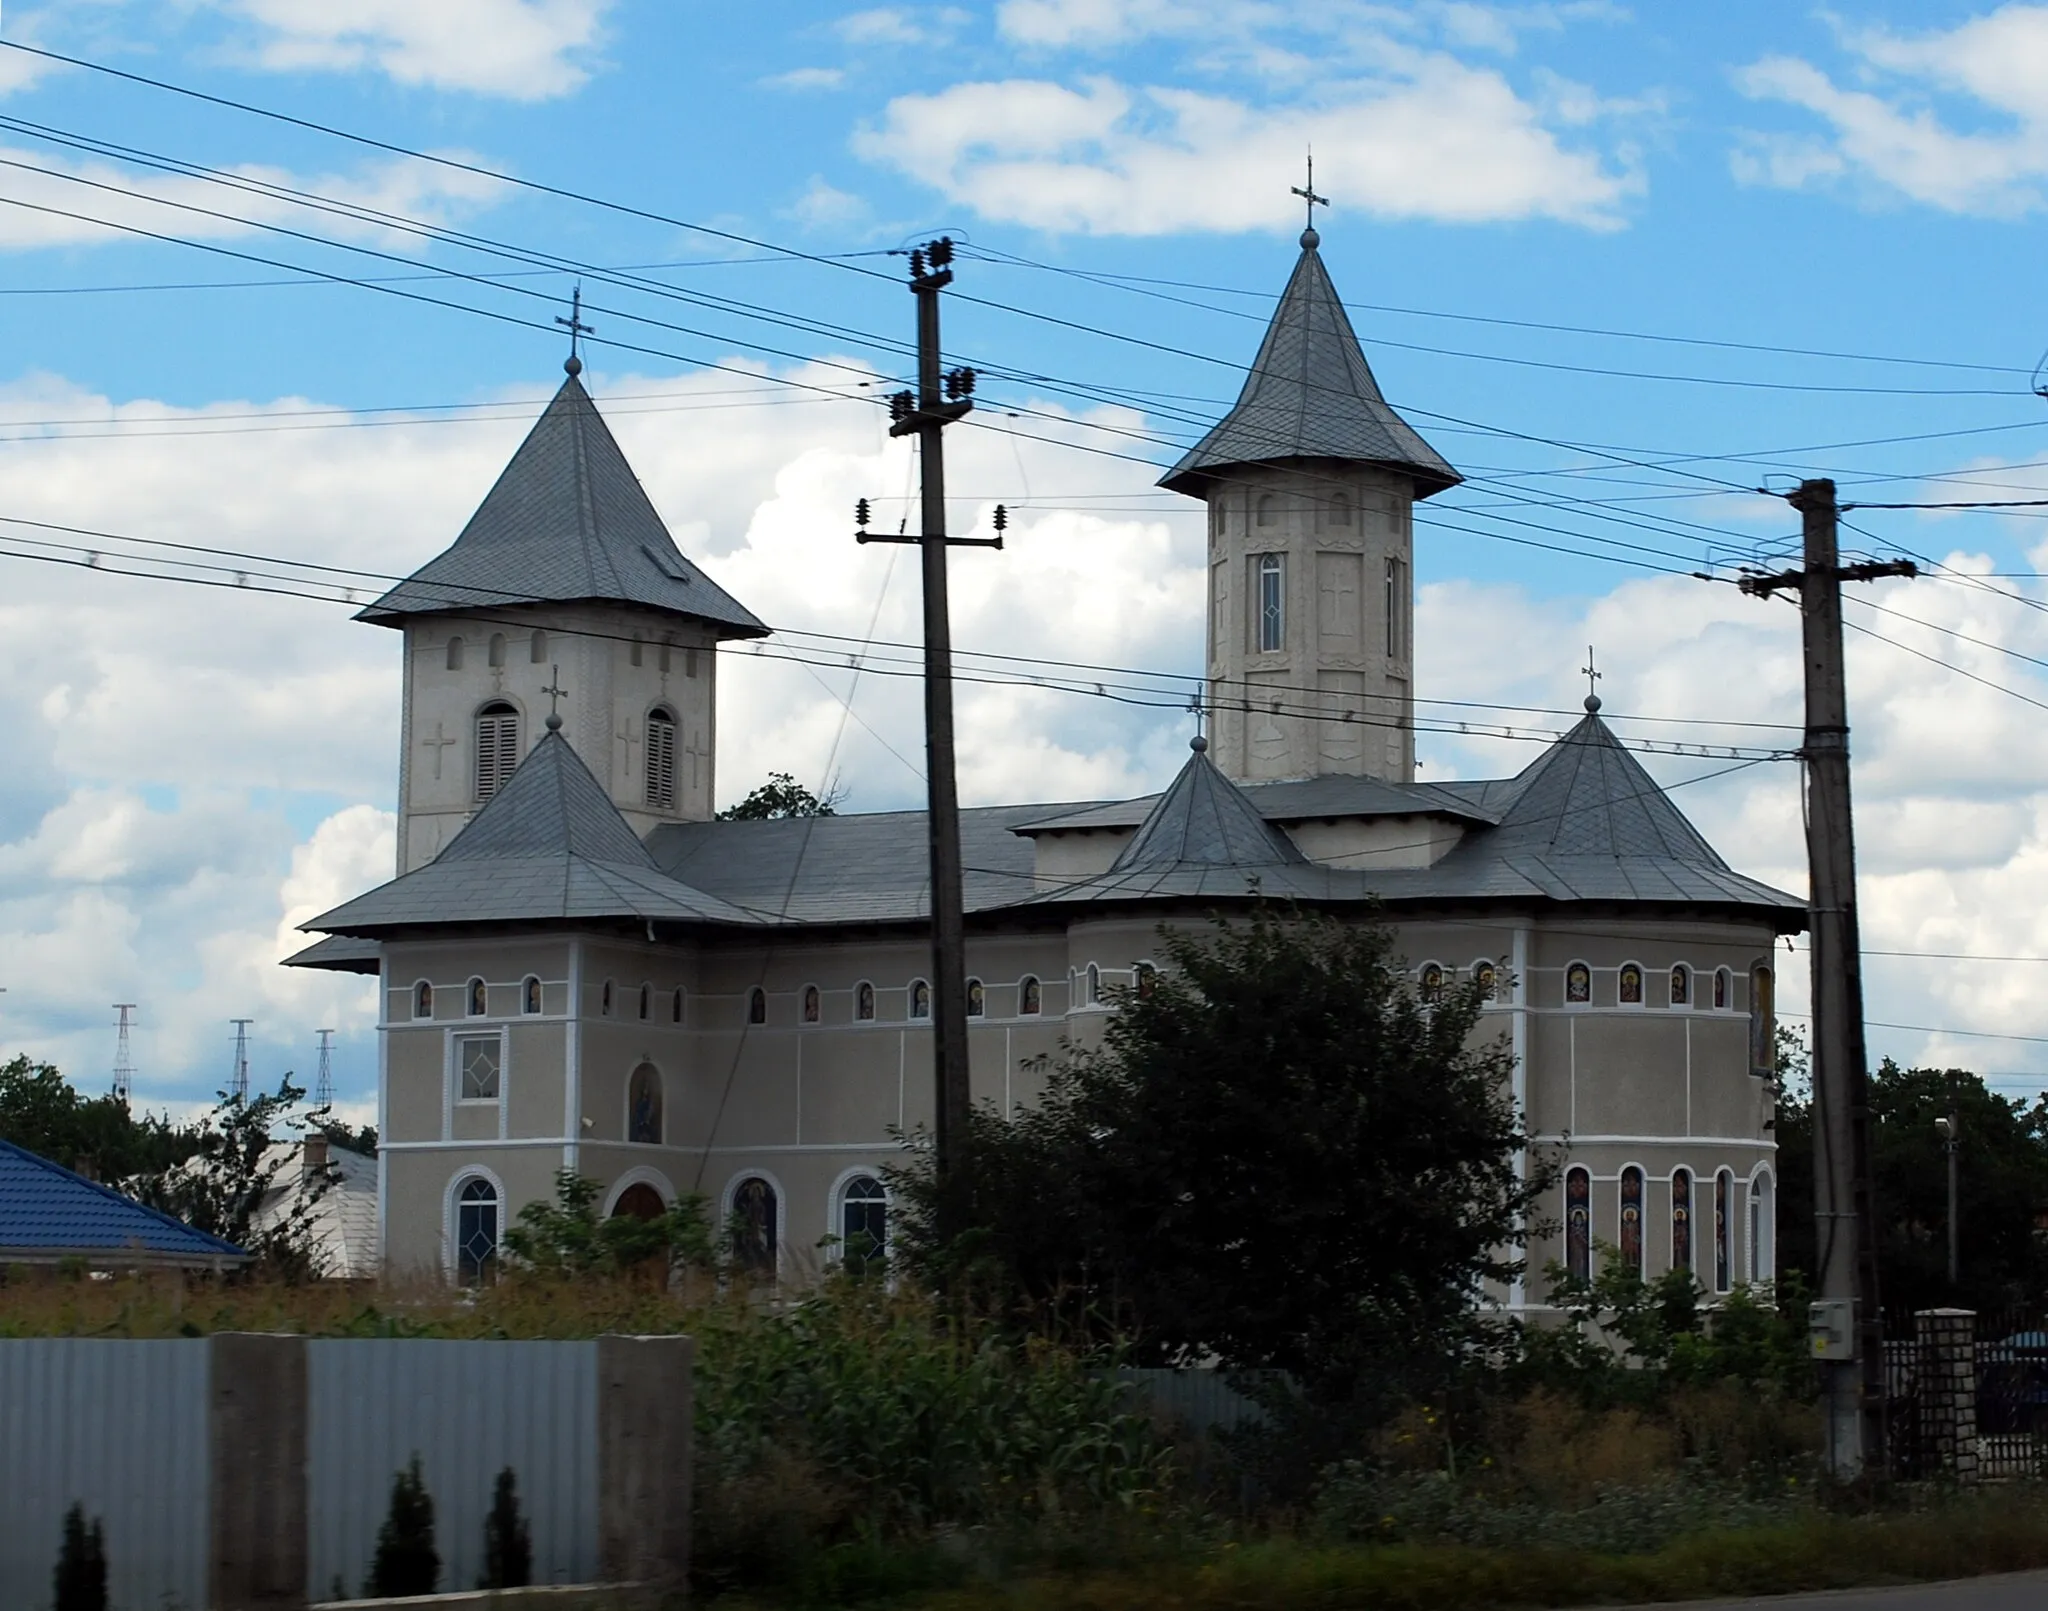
(643, 1105)
(537, 647)
(497, 747)
(1631, 1240)
(1268, 509)
(1145, 980)
(497, 651)
(646, 1002)
(1681, 984)
(604, 999)
(756, 1226)
(661, 758)
(1030, 996)
(675, 1006)
(1432, 979)
(667, 650)
(1763, 1227)
(1763, 1023)
(1681, 1219)
(529, 994)
(1272, 617)
(920, 999)
(476, 999)
(813, 1004)
(454, 654)
(633, 652)
(1578, 985)
(864, 1002)
(1724, 1230)
(863, 1222)
(1578, 1224)
(977, 999)
(1724, 989)
(1092, 983)
(476, 1230)
(1340, 509)
(639, 1201)
(1397, 610)
(1487, 977)
(1629, 985)
(757, 1006)
(423, 1000)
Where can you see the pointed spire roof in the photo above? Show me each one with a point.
(549, 845)
(1204, 820)
(1311, 395)
(566, 522)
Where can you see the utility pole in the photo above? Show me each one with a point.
(1950, 1129)
(124, 1061)
(1846, 1325)
(238, 1081)
(938, 401)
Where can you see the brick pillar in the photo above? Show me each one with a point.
(256, 1469)
(1948, 1390)
(644, 1444)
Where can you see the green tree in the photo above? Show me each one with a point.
(508, 1543)
(1281, 1156)
(406, 1561)
(567, 1237)
(2002, 1179)
(100, 1135)
(783, 796)
(346, 1136)
(81, 1576)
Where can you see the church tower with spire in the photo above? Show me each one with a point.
(564, 595)
(1310, 481)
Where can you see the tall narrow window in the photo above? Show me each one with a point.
(1145, 980)
(643, 1105)
(1724, 1230)
(920, 999)
(977, 999)
(1272, 604)
(863, 1222)
(1487, 977)
(478, 999)
(667, 649)
(497, 747)
(756, 1228)
(423, 1000)
(1631, 1242)
(1030, 997)
(1578, 985)
(661, 758)
(1432, 979)
(646, 1002)
(1093, 981)
(1578, 1224)
(1763, 1023)
(675, 1006)
(1340, 510)
(757, 1006)
(1762, 1229)
(1629, 986)
(454, 654)
(1681, 1219)
(814, 1007)
(604, 999)
(633, 652)
(1397, 610)
(476, 1230)
(497, 653)
(1681, 984)
(864, 1002)
(537, 647)
(529, 995)
(1724, 989)
(1268, 509)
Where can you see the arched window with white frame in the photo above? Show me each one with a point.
(1629, 1225)
(497, 747)
(864, 1002)
(1430, 979)
(529, 994)
(1763, 1227)
(1628, 985)
(1724, 1230)
(754, 1223)
(1681, 1219)
(1681, 985)
(1030, 996)
(1578, 1223)
(863, 1222)
(479, 1212)
(920, 999)
(1724, 989)
(661, 758)
(1145, 980)
(646, 1001)
(644, 1106)
(757, 1006)
(423, 1000)
(1091, 985)
(1272, 603)
(476, 999)
(977, 999)
(1487, 977)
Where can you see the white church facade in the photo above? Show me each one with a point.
(579, 968)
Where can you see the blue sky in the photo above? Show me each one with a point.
(195, 771)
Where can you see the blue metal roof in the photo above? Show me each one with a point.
(47, 1212)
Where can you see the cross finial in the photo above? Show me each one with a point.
(1195, 707)
(554, 691)
(576, 327)
(1311, 201)
(1592, 676)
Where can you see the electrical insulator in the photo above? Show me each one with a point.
(860, 512)
(959, 383)
(900, 405)
(917, 263)
(940, 251)
(1002, 518)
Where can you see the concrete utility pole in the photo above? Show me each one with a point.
(1846, 1324)
(1950, 1129)
(939, 400)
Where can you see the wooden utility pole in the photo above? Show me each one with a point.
(940, 399)
(1846, 1324)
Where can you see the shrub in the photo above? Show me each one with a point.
(406, 1561)
(508, 1545)
(81, 1564)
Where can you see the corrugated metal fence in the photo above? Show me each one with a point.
(120, 1427)
(468, 1410)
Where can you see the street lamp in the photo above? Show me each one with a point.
(1950, 1132)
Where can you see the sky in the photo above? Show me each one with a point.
(279, 282)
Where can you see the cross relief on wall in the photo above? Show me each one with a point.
(437, 744)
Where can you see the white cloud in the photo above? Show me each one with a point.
(47, 201)
(823, 206)
(807, 78)
(1955, 119)
(526, 50)
(901, 25)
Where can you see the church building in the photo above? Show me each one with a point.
(579, 968)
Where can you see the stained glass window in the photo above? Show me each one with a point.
(1763, 1023)
(529, 995)
(643, 1103)
(1724, 1231)
(1578, 983)
(1578, 1224)
(1631, 1240)
(1630, 988)
(1030, 997)
(1681, 1219)
(1681, 985)
(478, 999)
(1432, 981)
(755, 1229)
(423, 1000)
(1487, 978)
(1724, 985)
(920, 999)
(977, 999)
(757, 1006)
(813, 1006)
(864, 1002)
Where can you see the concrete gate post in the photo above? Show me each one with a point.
(1947, 1341)
(256, 1470)
(645, 1411)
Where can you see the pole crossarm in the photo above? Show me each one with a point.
(1763, 586)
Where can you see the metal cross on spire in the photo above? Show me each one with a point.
(1308, 195)
(576, 327)
(1592, 676)
(555, 692)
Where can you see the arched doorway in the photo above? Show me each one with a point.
(639, 1201)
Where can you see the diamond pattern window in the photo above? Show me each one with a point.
(477, 1057)
(476, 1231)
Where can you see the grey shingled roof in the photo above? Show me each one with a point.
(566, 522)
(1295, 800)
(548, 847)
(1204, 820)
(1311, 395)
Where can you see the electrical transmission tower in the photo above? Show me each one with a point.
(238, 1082)
(323, 1079)
(124, 1062)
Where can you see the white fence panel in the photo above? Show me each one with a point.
(120, 1427)
(468, 1409)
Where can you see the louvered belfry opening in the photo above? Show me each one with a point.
(661, 759)
(497, 747)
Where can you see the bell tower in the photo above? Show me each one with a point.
(1311, 481)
